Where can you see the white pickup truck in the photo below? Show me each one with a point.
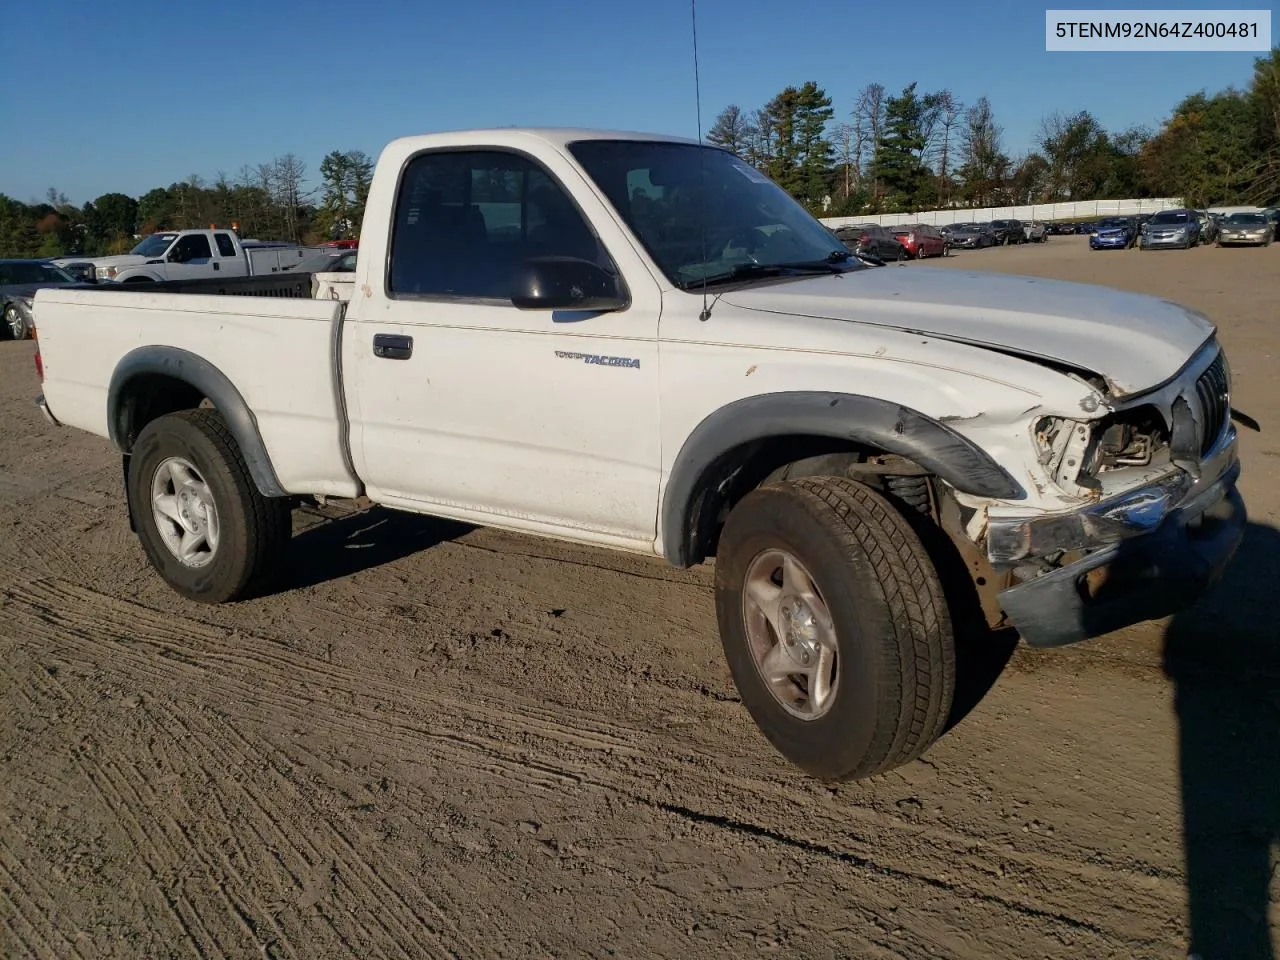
(193, 255)
(643, 344)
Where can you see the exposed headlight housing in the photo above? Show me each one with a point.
(107, 273)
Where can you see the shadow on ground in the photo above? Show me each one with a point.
(346, 545)
(1223, 655)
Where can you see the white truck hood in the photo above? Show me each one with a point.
(1135, 342)
(122, 260)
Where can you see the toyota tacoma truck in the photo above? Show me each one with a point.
(643, 344)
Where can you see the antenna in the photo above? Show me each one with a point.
(697, 98)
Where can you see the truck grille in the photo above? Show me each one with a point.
(1212, 389)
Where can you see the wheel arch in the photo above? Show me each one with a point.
(152, 381)
(825, 422)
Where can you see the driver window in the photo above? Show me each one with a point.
(194, 246)
(466, 220)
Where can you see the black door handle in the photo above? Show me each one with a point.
(217, 266)
(390, 346)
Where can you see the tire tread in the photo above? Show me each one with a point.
(923, 658)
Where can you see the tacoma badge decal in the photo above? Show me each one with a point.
(596, 358)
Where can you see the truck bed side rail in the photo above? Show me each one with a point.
(291, 285)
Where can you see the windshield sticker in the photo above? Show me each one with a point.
(751, 173)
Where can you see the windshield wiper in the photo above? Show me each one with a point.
(751, 271)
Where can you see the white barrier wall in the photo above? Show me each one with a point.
(1037, 211)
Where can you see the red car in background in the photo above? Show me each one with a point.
(341, 244)
(921, 240)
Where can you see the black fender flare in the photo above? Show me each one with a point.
(879, 423)
(187, 367)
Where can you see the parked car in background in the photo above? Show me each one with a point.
(19, 281)
(920, 240)
(1208, 226)
(971, 236)
(1008, 231)
(1114, 233)
(872, 239)
(1036, 231)
(1061, 229)
(1246, 229)
(1171, 228)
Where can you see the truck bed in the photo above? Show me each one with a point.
(272, 341)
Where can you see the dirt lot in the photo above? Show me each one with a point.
(451, 742)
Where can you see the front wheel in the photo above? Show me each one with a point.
(203, 524)
(835, 627)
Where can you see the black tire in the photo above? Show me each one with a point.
(254, 530)
(901, 255)
(895, 652)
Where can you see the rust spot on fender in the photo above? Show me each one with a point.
(751, 369)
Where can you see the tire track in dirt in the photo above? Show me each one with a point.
(498, 740)
(25, 902)
(297, 864)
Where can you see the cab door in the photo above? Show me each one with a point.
(229, 262)
(467, 406)
(189, 258)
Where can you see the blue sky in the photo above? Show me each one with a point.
(137, 95)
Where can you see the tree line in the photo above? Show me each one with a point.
(267, 201)
(920, 150)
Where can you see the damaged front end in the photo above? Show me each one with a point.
(1158, 514)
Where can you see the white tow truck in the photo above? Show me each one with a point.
(193, 255)
(642, 343)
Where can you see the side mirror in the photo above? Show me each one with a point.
(566, 283)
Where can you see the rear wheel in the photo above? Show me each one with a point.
(835, 626)
(203, 524)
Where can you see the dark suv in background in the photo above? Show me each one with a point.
(1009, 231)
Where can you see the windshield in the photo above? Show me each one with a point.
(1247, 220)
(154, 245)
(1114, 222)
(703, 213)
(1179, 216)
(32, 271)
